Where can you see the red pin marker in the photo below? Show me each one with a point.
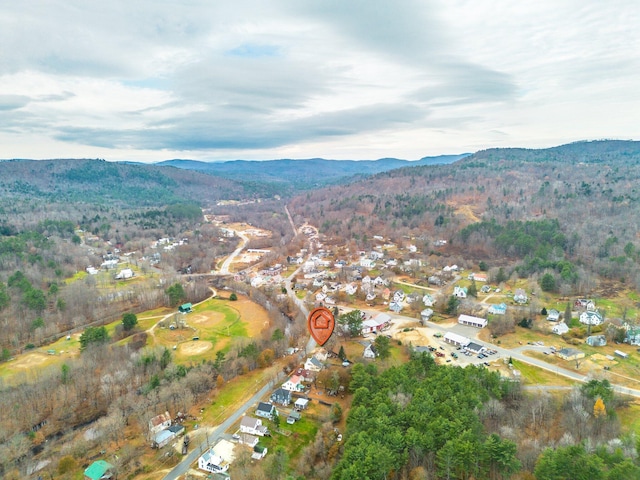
(321, 324)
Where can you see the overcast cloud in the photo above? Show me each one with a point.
(362, 79)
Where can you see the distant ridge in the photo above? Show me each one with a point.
(305, 173)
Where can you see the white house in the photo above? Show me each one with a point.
(210, 462)
(158, 423)
(294, 384)
(560, 328)
(460, 292)
(553, 315)
(367, 263)
(589, 317)
(351, 289)
(520, 296)
(426, 314)
(312, 364)
(124, 274)
(253, 426)
(428, 300)
(472, 321)
(369, 351)
(301, 403)
(248, 439)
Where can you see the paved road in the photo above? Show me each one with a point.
(214, 435)
(518, 354)
(224, 270)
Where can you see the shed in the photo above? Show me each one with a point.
(570, 354)
(621, 354)
(185, 308)
(301, 403)
(293, 417)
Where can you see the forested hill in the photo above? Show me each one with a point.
(295, 175)
(65, 180)
(589, 190)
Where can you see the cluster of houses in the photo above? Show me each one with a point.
(252, 428)
(162, 431)
(589, 316)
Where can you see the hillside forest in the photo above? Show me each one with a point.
(565, 219)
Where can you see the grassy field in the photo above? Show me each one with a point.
(220, 324)
(532, 375)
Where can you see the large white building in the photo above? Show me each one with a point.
(472, 321)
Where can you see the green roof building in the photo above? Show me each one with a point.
(99, 470)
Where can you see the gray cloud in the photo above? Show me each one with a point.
(13, 102)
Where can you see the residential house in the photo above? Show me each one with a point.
(99, 470)
(428, 300)
(281, 397)
(253, 426)
(313, 364)
(248, 439)
(369, 351)
(520, 296)
(366, 280)
(434, 280)
(318, 282)
(560, 328)
(380, 322)
(480, 277)
(395, 307)
(398, 296)
(306, 375)
(266, 410)
(159, 423)
(321, 297)
(210, 462)
(124, 274)
(553, 315)
(485, 289)
(367, 263)
(371, 296)
(164, 437)
(570, 354)
(460, 292)
(591, 317)
(293, 384)
(351, 289)
(386, 294)
(413, 297)
(499, 309)
(596, 341)
(301, 403)
(321, 355)
(584, 303)
(379, 281)
(472, 321)
(633, 335)
(426, 314)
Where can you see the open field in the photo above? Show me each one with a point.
(218, 323)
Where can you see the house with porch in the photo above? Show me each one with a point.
(253, 426)
(499, 309)
(266, 410)
(281, 397)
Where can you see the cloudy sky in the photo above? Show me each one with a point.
(151, 80)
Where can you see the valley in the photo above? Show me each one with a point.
(221, 291)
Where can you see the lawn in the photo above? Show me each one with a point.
(298, 435)
(532, 375)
